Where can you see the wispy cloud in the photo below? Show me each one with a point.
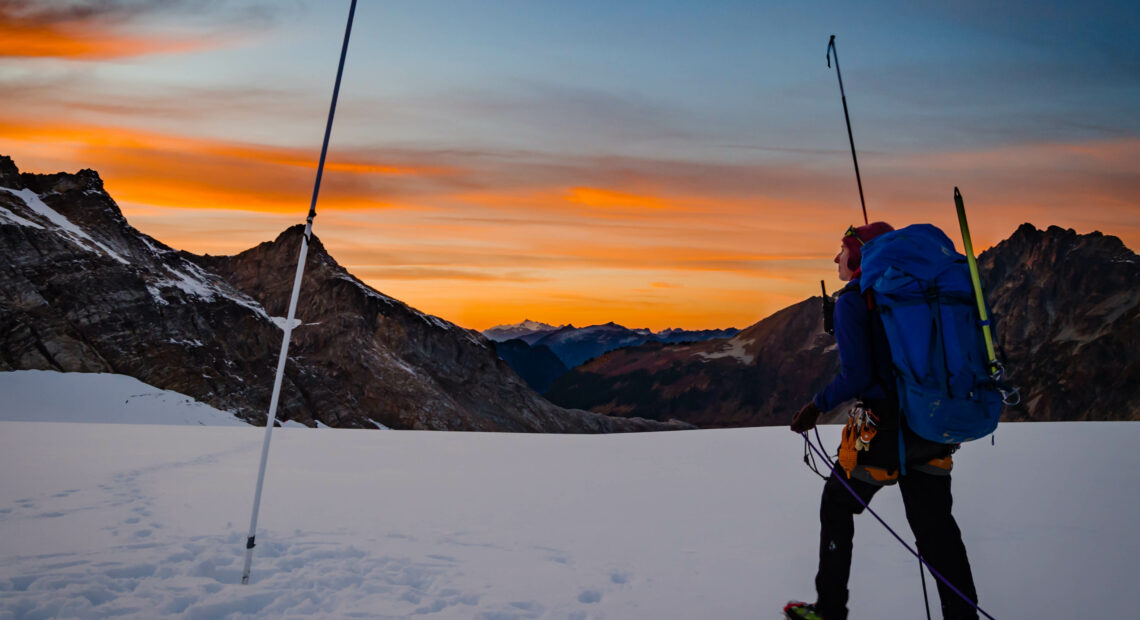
(419, 274)
(101, 29)
(178, 171)
(650, 204)
(76, 94)
(566, 119)
(527, 232)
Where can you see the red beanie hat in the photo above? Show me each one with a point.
(855, 238)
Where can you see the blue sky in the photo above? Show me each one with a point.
(582, 161)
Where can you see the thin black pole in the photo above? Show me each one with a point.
(831, 50)
(332, 113)
(272, 417)
(922, 574)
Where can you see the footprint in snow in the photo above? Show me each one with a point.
(619, 577)
(590, 596)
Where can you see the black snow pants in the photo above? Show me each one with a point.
(927, 500)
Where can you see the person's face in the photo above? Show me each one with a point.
(845, 272)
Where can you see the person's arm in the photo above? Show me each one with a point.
(856, 364)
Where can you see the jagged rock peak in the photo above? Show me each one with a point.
(1028, 241)
(82, 191)
(292, 235)
(288, 243)
(62, 182)
(9, 174)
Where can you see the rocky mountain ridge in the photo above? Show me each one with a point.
(81, 290)
(1067, 323)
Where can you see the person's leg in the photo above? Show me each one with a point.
(837, 511)
(928, 502)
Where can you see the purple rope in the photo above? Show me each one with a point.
(902, 542)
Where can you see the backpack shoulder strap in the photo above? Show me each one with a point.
(853, 287)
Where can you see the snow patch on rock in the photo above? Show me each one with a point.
(731, 349)
(70, 231)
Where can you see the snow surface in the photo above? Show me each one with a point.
(117, 520)
(49, 396)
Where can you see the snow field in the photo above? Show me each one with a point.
(116, 520)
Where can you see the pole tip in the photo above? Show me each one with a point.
(957, 194)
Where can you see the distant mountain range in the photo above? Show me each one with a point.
(1066, 313)
(83, 291)
(576, 345)
(528, 331)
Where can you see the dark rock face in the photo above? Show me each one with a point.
(1065, 311)
(81, 290)
(537, 365)
(105, 298)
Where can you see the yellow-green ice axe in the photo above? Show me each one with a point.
(994, 365)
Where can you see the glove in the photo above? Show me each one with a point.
(805, 420)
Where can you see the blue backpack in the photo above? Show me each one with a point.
(922, 289)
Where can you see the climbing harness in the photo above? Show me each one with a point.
(861, 428)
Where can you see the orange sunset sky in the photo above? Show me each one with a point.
(657, 164)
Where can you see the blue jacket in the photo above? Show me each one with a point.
(864, 355)
(866, 373)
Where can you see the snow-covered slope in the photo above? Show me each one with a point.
(49, 396)
(502, 333)
(100, 521)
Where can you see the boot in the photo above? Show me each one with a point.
(796, 610)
